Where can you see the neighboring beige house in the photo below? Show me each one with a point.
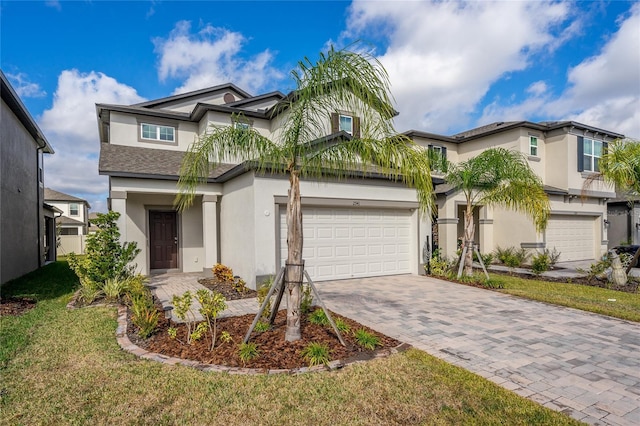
(74, 219)
(27, 227)
(352, 228)
(563, 154)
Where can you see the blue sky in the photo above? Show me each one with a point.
(453, 65)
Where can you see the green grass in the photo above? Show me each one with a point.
(68, 369)
(584, 297)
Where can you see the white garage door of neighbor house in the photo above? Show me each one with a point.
(349, 243)
(573, 237)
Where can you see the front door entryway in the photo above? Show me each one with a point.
(163, 240)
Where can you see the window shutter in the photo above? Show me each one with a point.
(334, 122)
(430, 147)
(356, 127)
(580, 154)
(444, 153)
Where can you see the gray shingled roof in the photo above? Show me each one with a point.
(485, 129)
(121, 160)
(53, 195)
(64, 220)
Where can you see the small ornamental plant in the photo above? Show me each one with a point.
(318, 317)
(247, 352)
(222, 272)
(316, 354)
(366, 339)
(212, 304)
(182, 309)
(262, 326)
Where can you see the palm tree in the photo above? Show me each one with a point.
(620, 166)
(339, 80)
(498, 177)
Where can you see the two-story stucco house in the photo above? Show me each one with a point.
(352, 228)
(74, 216)
(563, 154)
(27, 228)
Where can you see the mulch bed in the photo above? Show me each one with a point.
(274, 351)
(227, 289)
(15, 306)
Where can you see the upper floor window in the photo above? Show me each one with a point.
(438, 158)
(74, 209)
(346, 123)
(241, 125)
(589, 154)
(533, 146)
(157, 132)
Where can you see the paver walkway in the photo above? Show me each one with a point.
(583, 364)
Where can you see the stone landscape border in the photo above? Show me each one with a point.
(126, 344)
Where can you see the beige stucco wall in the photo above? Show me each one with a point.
(266, 213)
(237, 227)
(125, 130)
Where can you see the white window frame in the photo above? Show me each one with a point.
(158, 133)
(533, 146)
(242, 125)
(590, 165)
(340, 116)
(77, 209)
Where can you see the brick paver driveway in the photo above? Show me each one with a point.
(583, 364)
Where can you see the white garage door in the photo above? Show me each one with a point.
(346, 243)
(573, 237)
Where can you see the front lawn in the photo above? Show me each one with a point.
(587, 298)
(63, 366)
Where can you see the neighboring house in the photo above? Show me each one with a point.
(92, 227)
(563, 154)
(27, 227)
(74, 219)
(624, 222)
(352, 227)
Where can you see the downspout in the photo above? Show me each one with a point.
(39, 203)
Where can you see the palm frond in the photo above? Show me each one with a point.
(396, 158)
(224, 144)
(502, 177)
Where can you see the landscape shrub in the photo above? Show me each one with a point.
(318, 317)
(144, 315)
(212, 304)
(441, 266)
(247, 352)
(222, 272)
(316, 354)
(307, 299)
(366, 339)
(106, 258)
(553, 255)
(263, 290)
(182, 309)
(540, 263)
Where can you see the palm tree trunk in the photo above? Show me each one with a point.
(295, 266)
(468, 240)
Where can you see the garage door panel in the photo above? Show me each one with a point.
(346, 243)
(573, 237)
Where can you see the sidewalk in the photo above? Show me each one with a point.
(165, 286)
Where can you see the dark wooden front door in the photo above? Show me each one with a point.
(163, 240)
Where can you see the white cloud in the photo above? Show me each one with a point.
(442, 57)
(71, 127)
(603, 90)
(54, 4)
(210, 57)
(25, 88)
(538, 88)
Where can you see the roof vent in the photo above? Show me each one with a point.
(499, 123)
(228, 98)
